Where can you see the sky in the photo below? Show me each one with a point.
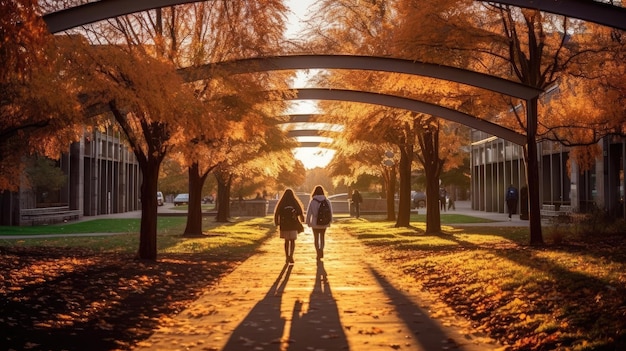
(299, 10)
(310, 157)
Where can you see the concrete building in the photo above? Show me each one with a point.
(103, 177)
(496, 163)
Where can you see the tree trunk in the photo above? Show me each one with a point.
(390, 184)
(223, 196)
(532, 169)
(194, 213)
(429, 143)
(404, 204)
(149, 164)
(433, 214)
(148, 230)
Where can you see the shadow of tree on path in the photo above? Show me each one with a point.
(426, 331)
(263, 327)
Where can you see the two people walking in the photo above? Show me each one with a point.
(289, 216)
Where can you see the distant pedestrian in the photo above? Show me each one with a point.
(443, 194)
(357, 199)
(288, 215)
(318, 217)
(511, 200)
(452, 199)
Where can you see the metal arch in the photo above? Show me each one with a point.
(294, 133)
(313, 144)
(59, 21)
(371, 63)
(588, 10)
(300, 118)
(100, 10)
(305, 118)
(411, 105)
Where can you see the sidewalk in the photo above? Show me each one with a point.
(350, 301)
(499, 219)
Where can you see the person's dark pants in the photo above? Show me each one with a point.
(319, 241)
(512, 206)
(451, 204)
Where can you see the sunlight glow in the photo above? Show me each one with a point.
(311, 157)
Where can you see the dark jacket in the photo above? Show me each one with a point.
(511, 194)
(284, 218)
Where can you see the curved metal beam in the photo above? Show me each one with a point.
(294, 133)
(313, 144)
(59, 21)
(370, 63)
(588, 10)
(411, 105)
(300, 118)
(100, 10)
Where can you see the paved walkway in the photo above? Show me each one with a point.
(349, 301)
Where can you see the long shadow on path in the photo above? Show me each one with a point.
(317, 326)
(428, 333)
(263, 327)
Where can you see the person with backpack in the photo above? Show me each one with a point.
(288, 215)
(319, 215)
(511, 200)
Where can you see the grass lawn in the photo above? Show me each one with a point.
(121, 225)
(570, 296)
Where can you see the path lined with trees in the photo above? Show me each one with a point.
(537, 49)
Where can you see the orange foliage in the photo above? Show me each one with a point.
(39, 108)
(585, 157)
(23, 35)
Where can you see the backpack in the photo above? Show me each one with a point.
(511, 194)
(288, 214)
(324, 215)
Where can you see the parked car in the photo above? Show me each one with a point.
(160, 198)
(418, 199)
(208, 199)
(181, 199)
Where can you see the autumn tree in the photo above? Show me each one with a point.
(252, 161)
(201, 33)
(166, 39)
(528, 46)
(362, 28)
(151, 106)
(369, 28)
(359, 156)
(39, 106)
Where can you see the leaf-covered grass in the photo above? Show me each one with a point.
(570, 296)
(52, 287)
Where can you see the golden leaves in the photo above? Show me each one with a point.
(538, 299)
(50, 294)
